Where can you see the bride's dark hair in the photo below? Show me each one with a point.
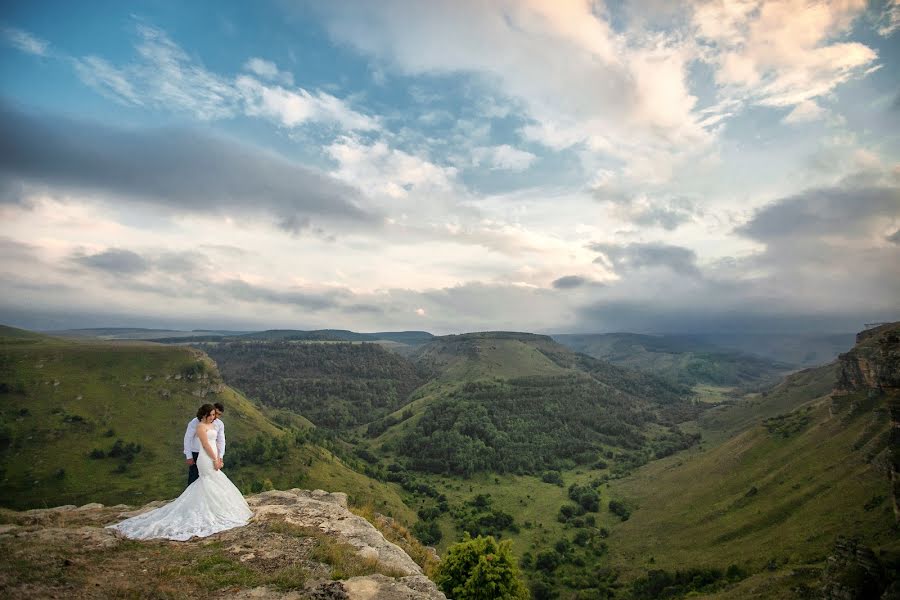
(204, 410)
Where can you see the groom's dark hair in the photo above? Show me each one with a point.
(219, 407)
(204, 410)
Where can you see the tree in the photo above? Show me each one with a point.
(481, 569)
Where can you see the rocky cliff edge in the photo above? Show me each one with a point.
(300, 544)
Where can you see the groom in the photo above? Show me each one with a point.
(192, 445)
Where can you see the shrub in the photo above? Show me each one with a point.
(569, 511)
(480, 569)
(619, 509)
(585, 496)
(546, 561)
(428, 532)
(552, 477)
(429, 514)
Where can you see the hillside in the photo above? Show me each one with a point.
(97, 421)
(811, 461)
(685, 359)
(521, 403)
(335, 385)
(137, 333)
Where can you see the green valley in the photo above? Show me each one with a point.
(609, 481)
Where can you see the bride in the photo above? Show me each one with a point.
(209, 505)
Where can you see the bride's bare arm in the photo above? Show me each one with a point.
(202, 428)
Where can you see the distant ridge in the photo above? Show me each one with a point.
(410, 338)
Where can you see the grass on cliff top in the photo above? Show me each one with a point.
(275, 554)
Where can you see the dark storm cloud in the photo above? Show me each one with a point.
(740, 316)
(824, 267)
(631, 257)
(180, 170)
(115, 261)
(847, 209)
(569, 282)
(192, 274)
(241, 290)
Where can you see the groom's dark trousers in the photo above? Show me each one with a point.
(193, 473)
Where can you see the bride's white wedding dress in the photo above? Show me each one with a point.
(209, 505)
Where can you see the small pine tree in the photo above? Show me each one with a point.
(481, 569)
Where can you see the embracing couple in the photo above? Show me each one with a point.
(193, 445)
(210, 503)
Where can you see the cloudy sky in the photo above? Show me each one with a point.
(538, 165)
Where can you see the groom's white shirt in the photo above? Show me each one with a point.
(192, 442)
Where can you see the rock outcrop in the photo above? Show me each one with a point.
(870, 373)
(873, 364)
(854, 572)
(300, 544)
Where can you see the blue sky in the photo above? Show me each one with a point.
(451, 166)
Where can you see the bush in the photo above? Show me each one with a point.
(480, 569)
(428, 532)
(429, 514)
(552, 477)
(569, 511)
(665, 584)
(546, 561)
(585, 496)
(619, 509)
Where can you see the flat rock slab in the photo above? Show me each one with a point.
(329, 513)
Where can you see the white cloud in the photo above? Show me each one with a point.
(580, 81)
(268, 71)
(293, 108)
(889, 19)
(804, 112)
(503, 157)
(388, 172)
(106, 79)
(171, 80)
(24, 41)
(168, 79)
(781, 52)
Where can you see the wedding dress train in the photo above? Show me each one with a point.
(209, 505)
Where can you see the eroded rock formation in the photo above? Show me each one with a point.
(870, 373)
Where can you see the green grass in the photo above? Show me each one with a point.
(757, 498)
(712, 394)
(794, 391)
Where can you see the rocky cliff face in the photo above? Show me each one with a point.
(870, 373)
(300, 544)
(874, 363)
(853, 572)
